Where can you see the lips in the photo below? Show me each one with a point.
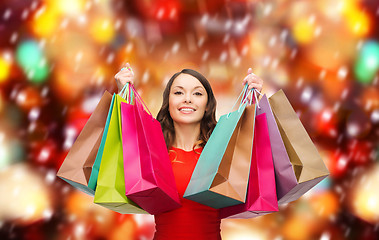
(187, 109)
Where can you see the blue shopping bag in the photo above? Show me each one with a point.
(221, 174)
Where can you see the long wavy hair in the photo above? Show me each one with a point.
(208, 122)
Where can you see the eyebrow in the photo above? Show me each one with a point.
(201, 87)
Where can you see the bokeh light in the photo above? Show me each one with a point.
(357, 20)
(29, 54)
(5, 68)
(370, 98)
(365, 201)
(234, 230)
(68, 7)
(31, 58)
(28, 97)
(45, 23)
(4, 154)
(303, 31)
(325, 204)
(102, 30)
(27, 198)
(367, 63)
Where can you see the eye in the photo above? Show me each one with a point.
(177, 92)
(198, 93)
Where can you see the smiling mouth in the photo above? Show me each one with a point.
(186, 110)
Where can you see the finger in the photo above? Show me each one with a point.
(125, 80)
(127, 65)
(250, 70)
(246, 80)
(126, 74)
(116, 76)
(119, 78)
(255, 85)
(124, 69)
(254, 79)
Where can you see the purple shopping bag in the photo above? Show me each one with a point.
(307, 164)
(261, 193)
(284, 173)
(149, 179)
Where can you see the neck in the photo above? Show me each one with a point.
(186, 135)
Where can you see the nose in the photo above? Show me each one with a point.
(187, 98)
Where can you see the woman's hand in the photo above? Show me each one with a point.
(253, 81)
(125, 75)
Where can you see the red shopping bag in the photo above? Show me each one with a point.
(149, 178)
(261, 193)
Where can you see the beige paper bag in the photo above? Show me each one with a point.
(307, 164)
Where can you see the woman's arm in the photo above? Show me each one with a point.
(125, 75)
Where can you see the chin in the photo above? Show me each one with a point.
(186, 121)
(186, 118)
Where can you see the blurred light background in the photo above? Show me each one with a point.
(58, 56)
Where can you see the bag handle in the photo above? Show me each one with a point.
(123, 90)
(243, 93)
(126, 93)
(254, 92)
(255, 96)
(139, 99)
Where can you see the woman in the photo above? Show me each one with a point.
(187, 117)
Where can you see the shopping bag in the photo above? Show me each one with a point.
(110, 189)
(92, 182)
(221, 174)
(261, 194)
(284, 174)
(78, 164)
(149, 178)
(307, 164)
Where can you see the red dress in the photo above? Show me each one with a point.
(193, 220)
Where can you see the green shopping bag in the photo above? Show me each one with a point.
(221, 174)
(110, 189)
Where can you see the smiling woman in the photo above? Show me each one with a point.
(187, 102)
(188, 109)
(187, 118)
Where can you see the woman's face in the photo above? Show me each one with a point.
(187, 100)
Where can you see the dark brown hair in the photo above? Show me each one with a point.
(208, 122)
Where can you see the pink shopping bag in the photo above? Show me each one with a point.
(284, 174)
(149, 179)
(261, 193)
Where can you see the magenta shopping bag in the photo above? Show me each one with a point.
(284, 174)
(149, 179)
(261, 193)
